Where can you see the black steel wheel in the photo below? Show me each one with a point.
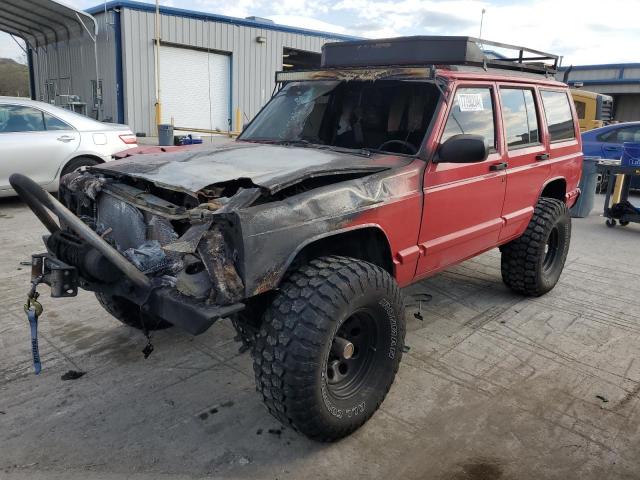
(610, 222)
(624, 223)
(532, 263)
(329, 346)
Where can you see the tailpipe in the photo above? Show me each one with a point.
(40, 201)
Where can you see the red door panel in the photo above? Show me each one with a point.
(463, 202)
(460, 217)
(526, 153)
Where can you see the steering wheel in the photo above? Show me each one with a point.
(411, 148)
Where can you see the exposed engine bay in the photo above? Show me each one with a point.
(181, 242)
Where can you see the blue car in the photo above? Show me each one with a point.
(606, 142)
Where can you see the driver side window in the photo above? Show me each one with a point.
(471, 113)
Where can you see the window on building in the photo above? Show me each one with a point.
(581, 108)
(472, 113)
(17, 118)
(519, 116)
(557, 111)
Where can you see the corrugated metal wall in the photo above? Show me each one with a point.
(71, 66)
(253, 64)
(627, 108)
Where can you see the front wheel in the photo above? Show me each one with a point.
(532, 263)
(330, 346)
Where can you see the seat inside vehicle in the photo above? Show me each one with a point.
(391, 116)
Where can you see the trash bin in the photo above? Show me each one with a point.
(588, 183)
(165, 134)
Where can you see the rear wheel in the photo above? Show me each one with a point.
(129, 313)
(76, 163)
(532, 264)
(330, 346)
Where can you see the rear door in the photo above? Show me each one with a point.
(463, 202)
(526, 154)
(33, 143)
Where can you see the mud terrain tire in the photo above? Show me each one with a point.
(130, 314)
(298, 372)
(532, 264)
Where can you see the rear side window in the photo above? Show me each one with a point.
(472, 113)
(519, 116)
(557, 111)
(53, 123)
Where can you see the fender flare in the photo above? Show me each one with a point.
(332, 233)
(549, 181)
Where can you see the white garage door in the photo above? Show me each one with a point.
(195, 88)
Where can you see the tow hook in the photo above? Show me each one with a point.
(33, 309)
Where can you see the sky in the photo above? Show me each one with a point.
(583, 32)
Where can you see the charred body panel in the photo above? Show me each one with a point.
(271, 167)
(227, 249)
(273, 234)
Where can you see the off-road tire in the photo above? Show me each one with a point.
(130, 314)
(526, 266)
(293, 348)
(77, 163)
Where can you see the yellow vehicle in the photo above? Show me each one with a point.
(594, 109)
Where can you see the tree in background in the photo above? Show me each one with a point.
(14, 78)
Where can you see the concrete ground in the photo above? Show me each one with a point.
(495, 386)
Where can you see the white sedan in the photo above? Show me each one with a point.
(44, 142)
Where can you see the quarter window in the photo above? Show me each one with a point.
(17, 118)
(53, 123)
(557, 111)
(472, 113)
(519, 116)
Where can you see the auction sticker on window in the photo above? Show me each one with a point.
(470, 102)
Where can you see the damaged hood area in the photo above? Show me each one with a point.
(271, 167)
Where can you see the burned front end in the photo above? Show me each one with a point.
(178, 253)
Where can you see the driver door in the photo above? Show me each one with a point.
(463, 202)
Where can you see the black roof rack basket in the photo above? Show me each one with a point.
(435, 50)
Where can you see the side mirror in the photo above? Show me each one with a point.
(464, 148)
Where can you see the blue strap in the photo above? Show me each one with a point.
(33, 323)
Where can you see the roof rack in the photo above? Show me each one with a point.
(435, 50)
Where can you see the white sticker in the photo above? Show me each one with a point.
(470, 102)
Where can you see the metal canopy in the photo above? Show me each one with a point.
(41, 22)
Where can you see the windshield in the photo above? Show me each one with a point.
(386, 115)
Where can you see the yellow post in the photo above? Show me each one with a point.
(238, 120)
(617, 189)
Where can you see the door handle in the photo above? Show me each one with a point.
(542, 156)
(65, 138)
(612, 149)
(498, 166)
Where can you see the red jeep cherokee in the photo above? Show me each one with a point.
(396, 159)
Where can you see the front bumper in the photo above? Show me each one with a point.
(161, 301)
(88, 254)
